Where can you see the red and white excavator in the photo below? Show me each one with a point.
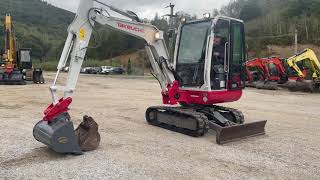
(207, 69)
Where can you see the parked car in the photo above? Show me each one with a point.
(85, 70)
(118, 70)
(106, 69)
(97, 70)
(89, 70)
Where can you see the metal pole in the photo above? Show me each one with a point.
(171, 16)
(296, 41)
(171, 30)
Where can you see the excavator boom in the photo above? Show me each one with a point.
(309, 56)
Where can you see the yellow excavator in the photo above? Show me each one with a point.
(16, 65)
(306, 71)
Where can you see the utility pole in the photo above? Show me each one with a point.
(171, 15)
(296, 41)
(306, 25)
(171, 31)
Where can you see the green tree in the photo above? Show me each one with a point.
(40, 45)
(250, 10)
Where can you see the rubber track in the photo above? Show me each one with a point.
(181, 112)
(239, 117)
(13, 83)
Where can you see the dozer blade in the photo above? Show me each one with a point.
(60, 136)
(237, 132)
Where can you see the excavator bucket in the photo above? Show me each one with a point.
(237, 132)
(38, 76)
(60, 136)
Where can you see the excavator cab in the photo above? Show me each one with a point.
(210, 55)
(26, 65)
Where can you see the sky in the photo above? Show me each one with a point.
(148, 8)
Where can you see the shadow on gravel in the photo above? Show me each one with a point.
(37, 156)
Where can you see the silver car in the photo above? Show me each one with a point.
(106, 69)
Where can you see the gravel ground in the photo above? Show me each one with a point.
(131, 149)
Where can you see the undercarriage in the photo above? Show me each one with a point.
(197, 120)
(13, 78)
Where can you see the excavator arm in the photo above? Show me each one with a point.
(10, 45)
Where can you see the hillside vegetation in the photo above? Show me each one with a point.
(43, 28)
(275, 21)
(38, 25)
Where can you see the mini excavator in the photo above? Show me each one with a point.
(207, 69)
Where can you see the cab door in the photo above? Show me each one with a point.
(220, 54)
(237, 56)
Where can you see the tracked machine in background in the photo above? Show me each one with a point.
(16, 65)
(300, 72)
(10, 73)
(266, 73)
(206, 70)
(303, 72)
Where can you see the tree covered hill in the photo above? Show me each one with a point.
(275, 21)
(43, 28)
(38, 25)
